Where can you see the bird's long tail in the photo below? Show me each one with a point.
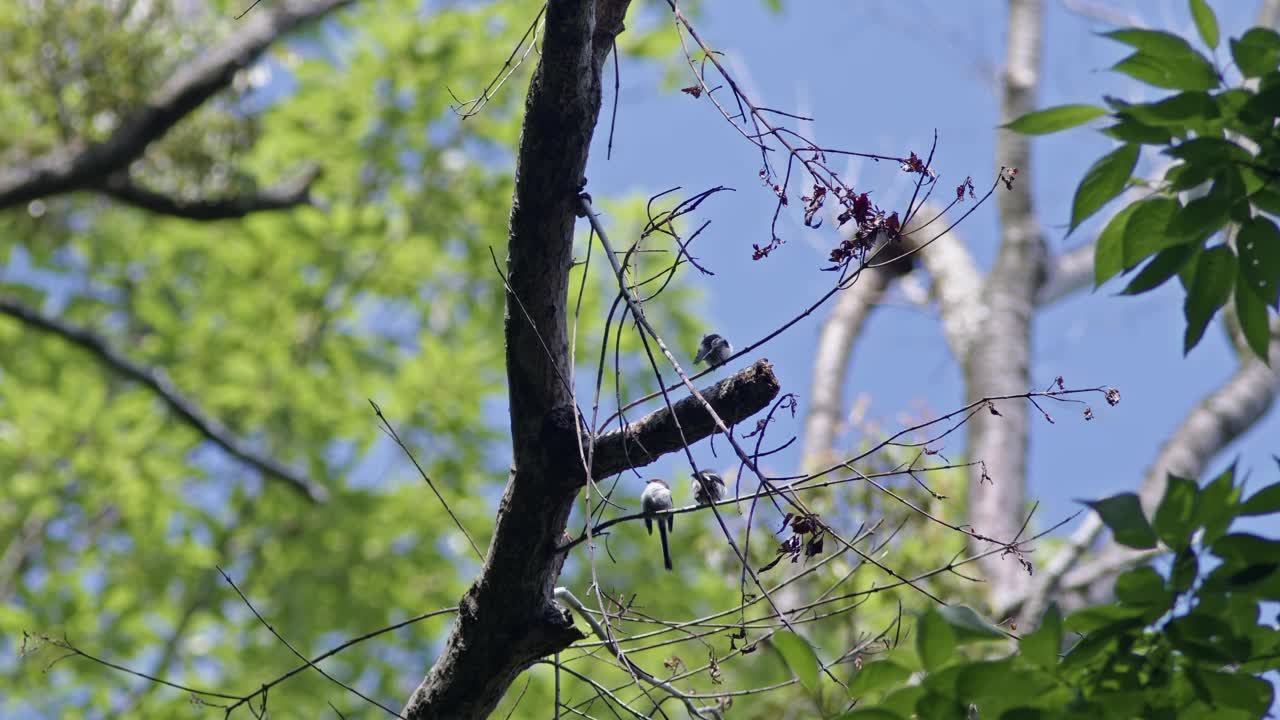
(666, 550)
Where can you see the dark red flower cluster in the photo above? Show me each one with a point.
(797, 545)
(869, 221)
(914, 164)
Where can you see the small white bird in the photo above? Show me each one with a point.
(714, 349)
(708, 487)
(657, 497)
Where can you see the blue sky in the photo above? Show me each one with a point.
(881, 77)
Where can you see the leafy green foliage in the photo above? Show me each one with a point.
(1225, 141)
(281, 325)
(1206, 22)
(1181, 645)
(799, 656)
(1123, 515)
(1055, 119)
(1105, 180)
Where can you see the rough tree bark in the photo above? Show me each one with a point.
(508, 618)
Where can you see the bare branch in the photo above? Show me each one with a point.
(82, 165)
(391, 432)
(295, 651)
(288, 194)
(159, 383)
(734, 399)
(568, 598)
(1211, 426)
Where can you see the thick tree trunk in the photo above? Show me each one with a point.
(998, 359)
(508, 619)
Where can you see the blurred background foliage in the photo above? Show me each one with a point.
(114, 513)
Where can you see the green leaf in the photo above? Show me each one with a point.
(876, 676)
(1103, 619)
(1202, 637)
(1175, 518)
(1131, 131)
(1055, 119)
(1252, 314)
(1190, 72)
(1257, 52)
(799, 657)
(1147, 231)
(1209, 151)
(1103, 181)
(937, 705)
(1186, 567)
(1261, 108)
(871, 713)
(1218, 505)
(1177, 113)
(1202, 217)
(1213, 278)
(1184, 176)
(903, 700)
(1243, 549)
(1166, 264)
(1143, 587)
(1155, 42)
(1122, 513)
(1259, 246)
(1264, 502)
(935, 641)
(969, 626)
(1206, 22)
(1234, 690)
(1267, 199)
(1108, 258)
(1085, 652)
(997, 685)
(1042, 645)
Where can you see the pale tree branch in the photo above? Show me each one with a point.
(158, 382)
(957, 283)
(1269, 14)
(831, 362)
(1217, 420)
(82, 165)
(288, 194)
(1066, 274)
(998, 358)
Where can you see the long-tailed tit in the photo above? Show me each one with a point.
(714, 349)
(708, 487)
(657, 497)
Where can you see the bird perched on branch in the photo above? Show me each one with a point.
(708, 487)
(714, 349)
(657, 497)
